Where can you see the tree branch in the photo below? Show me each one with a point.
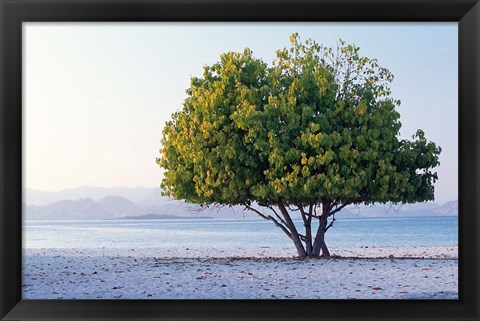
(338, 208)
(310, 209)
(294, 210)
(277, 215)
(308, 214)
(311, 215)
(270, 218)
(331, 223)
(334, 204)
(302, 212)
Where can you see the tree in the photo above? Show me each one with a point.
(310, 134)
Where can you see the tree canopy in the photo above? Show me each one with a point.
(316, 128)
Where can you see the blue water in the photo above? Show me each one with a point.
(226, 233)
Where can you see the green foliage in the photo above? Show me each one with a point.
(316, 126)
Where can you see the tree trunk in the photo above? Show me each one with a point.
(325, 251)
(308, 238)
(319, 243)
(307, 223)
(293, 231)
(319, 240)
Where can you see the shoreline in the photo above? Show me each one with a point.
(372, 252)
(127, 274)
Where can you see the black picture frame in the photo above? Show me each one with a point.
(14, 12)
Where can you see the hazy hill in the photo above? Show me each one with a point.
(87, 203)
(405, 210)
(82, 209)
(36, 197)
(112, 207)
(449, 208)
(120, 206)
(408, 210)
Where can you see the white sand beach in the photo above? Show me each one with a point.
(242, 273)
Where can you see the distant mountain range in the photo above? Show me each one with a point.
(37, 197)
(94, 203)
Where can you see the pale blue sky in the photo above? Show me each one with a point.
(96, 95)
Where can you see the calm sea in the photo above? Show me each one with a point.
(226, 233)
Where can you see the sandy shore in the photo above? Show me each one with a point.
(374, 273)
